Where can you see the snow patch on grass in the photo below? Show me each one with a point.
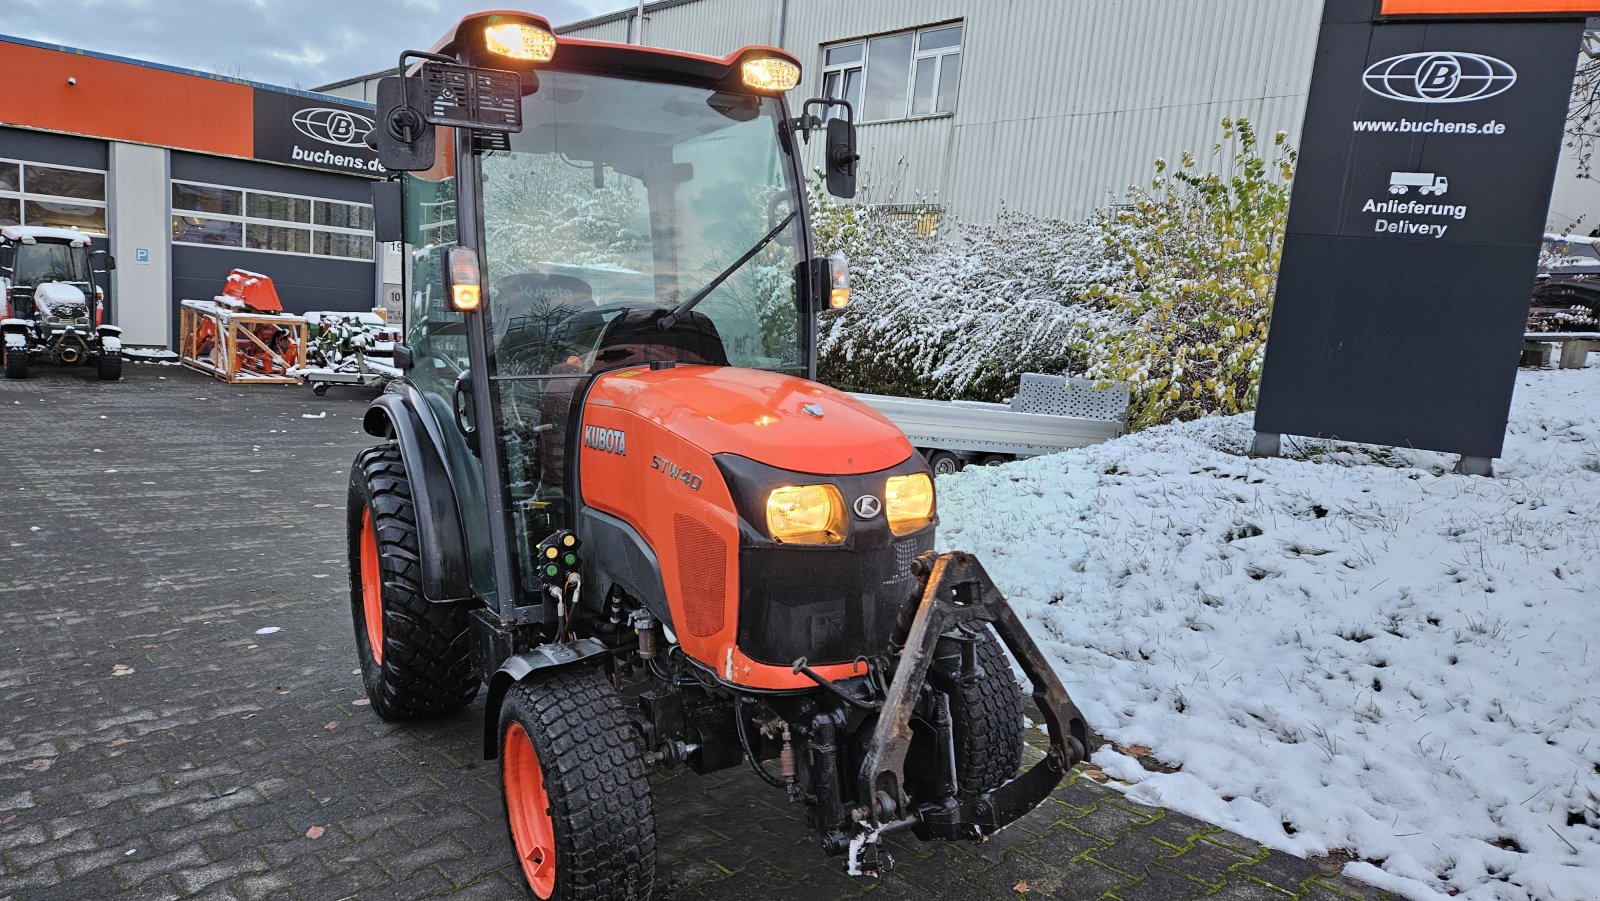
(1347, 649)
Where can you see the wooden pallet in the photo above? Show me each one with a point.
(223, 343)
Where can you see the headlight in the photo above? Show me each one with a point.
(908, 502)
(806, 514)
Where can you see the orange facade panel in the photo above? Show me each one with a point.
(124, 102)
(1488, 7)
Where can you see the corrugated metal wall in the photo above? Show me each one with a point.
(1063, 103)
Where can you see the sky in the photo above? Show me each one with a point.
(296, 43)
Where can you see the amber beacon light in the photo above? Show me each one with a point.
(770, 73)
(520, 40)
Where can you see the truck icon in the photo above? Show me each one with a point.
(1425, 182)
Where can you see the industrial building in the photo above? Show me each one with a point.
(964, 109)
(1045, 106)
(184, 176)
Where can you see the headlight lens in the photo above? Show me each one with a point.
(805, 514)
(908, 502)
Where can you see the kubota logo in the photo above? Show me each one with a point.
(1440, 77)
(333, 126)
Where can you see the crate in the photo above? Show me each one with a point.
(241, 347)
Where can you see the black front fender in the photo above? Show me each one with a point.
(543, 658)
(441, 538)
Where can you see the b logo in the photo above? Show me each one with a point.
(1440, 77)
(333, 126)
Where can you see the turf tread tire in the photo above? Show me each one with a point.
(595, 778)
(108, 367)
(427, 662)
(986, 716)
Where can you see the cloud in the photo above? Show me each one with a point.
(296, 43)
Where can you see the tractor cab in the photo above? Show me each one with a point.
(648, 210)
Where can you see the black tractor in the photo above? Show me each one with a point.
(54, 310)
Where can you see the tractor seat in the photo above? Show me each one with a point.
(636, 338)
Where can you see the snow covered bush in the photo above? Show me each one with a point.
(1191, 316)
(960, 313)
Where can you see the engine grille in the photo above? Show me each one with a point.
(702, 580)
(826, 606)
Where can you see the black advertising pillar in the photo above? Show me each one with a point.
(1432, 134)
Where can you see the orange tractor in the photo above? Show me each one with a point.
(609, 489)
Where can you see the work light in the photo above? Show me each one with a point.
(770, 73)
(805, 514)
(520, 40)
(908, 502)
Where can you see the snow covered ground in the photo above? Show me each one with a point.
(1349, 650)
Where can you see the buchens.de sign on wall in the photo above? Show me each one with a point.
(1432, 134)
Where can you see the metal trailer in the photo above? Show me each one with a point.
(1049, 414)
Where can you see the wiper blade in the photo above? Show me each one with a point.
(671, 319)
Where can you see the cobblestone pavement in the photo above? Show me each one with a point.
(180, 716)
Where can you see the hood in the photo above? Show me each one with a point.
(61, 300)
(779, 420)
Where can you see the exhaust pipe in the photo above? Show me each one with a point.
(69, 355)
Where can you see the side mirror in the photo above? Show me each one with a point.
(387, 203)
(403, 139)
(111, 262)
(842, 157)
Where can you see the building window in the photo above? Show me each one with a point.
(54, 196)
(841, 75)
(897, 76)
(268, 221)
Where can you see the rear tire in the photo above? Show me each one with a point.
(996, 459)
(415, 657)
(987, 717)
(16, 363)
(108, 367)
(576, 796)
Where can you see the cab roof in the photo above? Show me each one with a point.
(606, 57)
(21, 234)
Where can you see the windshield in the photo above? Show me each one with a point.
(621, 200)
(620, 207)
(46, 262)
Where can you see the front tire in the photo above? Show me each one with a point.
(415, 657)
(16, 362)
(987, 718)
(576, 796)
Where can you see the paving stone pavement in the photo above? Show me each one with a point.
(159, 740)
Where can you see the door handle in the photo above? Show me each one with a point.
(461, 407)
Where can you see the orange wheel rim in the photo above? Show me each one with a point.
(528, 807)
(371, 587)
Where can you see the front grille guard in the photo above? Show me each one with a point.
(957, 590)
